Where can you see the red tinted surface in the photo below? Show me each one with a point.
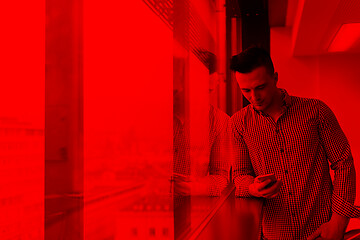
(127, 122)
(331, 78)
(345, 38)
(22, 120)
(110, 104)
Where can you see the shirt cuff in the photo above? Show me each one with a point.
(242, 185)
(217, 185)
(344, 208)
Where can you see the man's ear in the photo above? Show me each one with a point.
(276, 77)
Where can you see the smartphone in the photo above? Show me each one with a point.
(265, 177)
(181, 177)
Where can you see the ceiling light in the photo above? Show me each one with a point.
(345, 38)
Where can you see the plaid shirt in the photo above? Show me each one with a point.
(296, 148)
(214, 171)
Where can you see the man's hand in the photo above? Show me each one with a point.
(259, 189)
(332, 230)
(182, 188)
(188, 185)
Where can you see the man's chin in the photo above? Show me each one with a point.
(259, 107)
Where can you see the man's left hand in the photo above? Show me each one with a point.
(332, 230)
(189, 185)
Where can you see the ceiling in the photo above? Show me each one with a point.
(315, 24)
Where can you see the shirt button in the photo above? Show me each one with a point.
(286, 171)
(281, 150)
(290, 193)
(293, 214)
(277, 130)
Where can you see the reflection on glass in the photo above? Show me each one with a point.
(209, 176)
(153, 146)
(127, 122)
(200, 166)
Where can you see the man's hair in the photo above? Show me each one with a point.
(210, 60)
(251, 58)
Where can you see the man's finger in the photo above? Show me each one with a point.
(275, 188)
(181, 188)
(181, 178)
(262, 185)
(271, 190)
(273, 195)
(315, 234)
(277, 185)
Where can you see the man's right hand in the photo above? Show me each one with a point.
(259, 189)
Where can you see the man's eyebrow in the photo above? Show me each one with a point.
(262, 85)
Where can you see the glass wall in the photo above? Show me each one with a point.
(22, 120)
(144, 150)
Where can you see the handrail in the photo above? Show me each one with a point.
(194, 233)
(79, 198)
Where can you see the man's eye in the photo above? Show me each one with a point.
(262, 87)
(245, 90)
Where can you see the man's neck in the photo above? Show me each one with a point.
(276, 108)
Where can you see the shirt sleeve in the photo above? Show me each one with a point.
(338, 152)
(219, 165)
(243, 173)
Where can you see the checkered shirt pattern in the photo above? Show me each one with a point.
(297, 148)
(219, 146)
(218, 163)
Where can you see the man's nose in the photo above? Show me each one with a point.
(177, 90)
(254, 95)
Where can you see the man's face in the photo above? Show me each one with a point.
(258, 87)
(214, 80)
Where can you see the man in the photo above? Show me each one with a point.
(211, 175)
(292, 138)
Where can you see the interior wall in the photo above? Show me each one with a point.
(299, 76)
(339, 77)
(331, 78)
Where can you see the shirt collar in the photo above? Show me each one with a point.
(285, 98)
